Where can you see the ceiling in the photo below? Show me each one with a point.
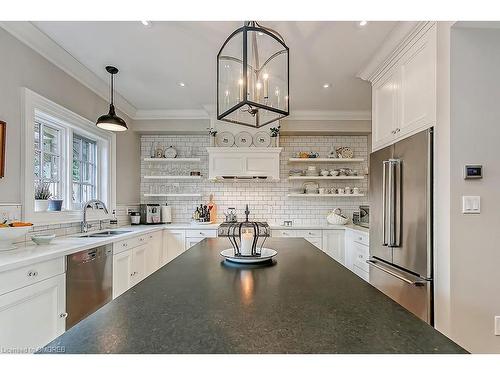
(154, 60)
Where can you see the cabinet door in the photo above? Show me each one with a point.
(139, 263)
(418, 86)
(385, 109)
(122, 272)
(333, 244)
(315, 241)
(191, 241)
(173, 244)
(32, 316)
(154, 253)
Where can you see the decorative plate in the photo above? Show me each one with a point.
(170, 152)
(347, 153)
(261, 139)
(243, 139)
(265, 255)
(224, 139)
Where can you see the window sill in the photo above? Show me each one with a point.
(63, 217)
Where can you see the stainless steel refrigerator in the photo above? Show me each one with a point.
(401, 223)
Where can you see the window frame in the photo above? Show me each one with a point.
(95, 164)
(36, 106)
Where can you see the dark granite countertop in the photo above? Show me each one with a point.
(304, 303)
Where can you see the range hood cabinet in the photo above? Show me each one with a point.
(245, 164)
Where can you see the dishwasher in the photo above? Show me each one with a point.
(89, 282)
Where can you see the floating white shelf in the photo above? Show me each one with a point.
(173, 195)
(172, 177)
(326, 177)
(173, 160)
(326, 160)
(324, 195)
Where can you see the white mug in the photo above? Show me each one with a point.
(355, 190)
(347, 190)
(341, 191)
(321, 190)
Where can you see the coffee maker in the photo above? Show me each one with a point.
(150, 214)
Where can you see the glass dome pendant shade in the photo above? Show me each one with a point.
(111, 121)
(253, 77)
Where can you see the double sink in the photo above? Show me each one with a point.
(106, 233)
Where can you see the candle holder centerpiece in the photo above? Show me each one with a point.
(247, 239)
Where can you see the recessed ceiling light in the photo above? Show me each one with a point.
(146, 23)
(363, 23)
(182, 84)
(326, 85)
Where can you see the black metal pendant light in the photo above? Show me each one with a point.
(253, 76)
(111, 121)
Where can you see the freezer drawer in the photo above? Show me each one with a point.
(411, 292)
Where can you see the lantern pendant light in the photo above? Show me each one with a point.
(253, 77)
(111, 121)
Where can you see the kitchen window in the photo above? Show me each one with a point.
(84, 170)
(68, 152)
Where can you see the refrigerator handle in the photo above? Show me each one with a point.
(384, 204)
(393, 201)
(415, 282)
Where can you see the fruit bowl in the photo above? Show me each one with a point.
(9, 234)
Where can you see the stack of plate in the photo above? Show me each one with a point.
(312, 171)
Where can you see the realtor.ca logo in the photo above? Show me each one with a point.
(28, 350)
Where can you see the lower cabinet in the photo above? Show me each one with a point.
(191, 241)
(333, 244)
(155, 249)
(32, 316)
(129, 268)
(173, 244)
(357, 253)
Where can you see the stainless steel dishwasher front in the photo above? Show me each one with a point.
(89, 282)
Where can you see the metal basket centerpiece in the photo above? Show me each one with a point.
(247, 237)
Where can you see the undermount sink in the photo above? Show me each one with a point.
(107, 233)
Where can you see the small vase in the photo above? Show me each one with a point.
(41, 205)
(55, 204)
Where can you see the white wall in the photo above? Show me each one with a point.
(20, 67)
(475, 138)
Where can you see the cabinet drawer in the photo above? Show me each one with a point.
(361, 238)
(127, 244)
(155, 236)
(210, 233)
(360, 256)
(315, 241)
(309, 233)
(283, 233)
(24, 276)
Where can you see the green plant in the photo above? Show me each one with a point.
(275, 131)
(212, 132)
(42, 191)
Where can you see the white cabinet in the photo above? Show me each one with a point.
(333, 244)
(357, 253)
(191, 241)
(32, 316)
(122, 272)
(404, 95)
(193, 236)
(139, 256)
(173, 244)
(229, 162)
(154, 256)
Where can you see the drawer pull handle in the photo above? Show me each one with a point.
(32, 273)
(63, 315)
(132, 274)
(124, 245)
(360, 238)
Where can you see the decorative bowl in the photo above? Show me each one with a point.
(43, 239)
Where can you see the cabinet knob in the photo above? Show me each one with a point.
(32, 273)
(63, 315)
(360, 238)
(124, 245)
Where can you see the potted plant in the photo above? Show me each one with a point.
(275, 136)
(42, 195)
(212, 133)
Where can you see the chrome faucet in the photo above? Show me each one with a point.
(93, 203)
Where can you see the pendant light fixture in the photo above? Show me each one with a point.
(111, 121)
(253, 76)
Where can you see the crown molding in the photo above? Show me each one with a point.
(396, 39)
(34, 38)
(330, 115)
(171, 114)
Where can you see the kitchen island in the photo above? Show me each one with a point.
(304, 302)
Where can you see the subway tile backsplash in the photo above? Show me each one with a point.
(266, 200)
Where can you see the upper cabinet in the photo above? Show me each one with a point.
(404, 88)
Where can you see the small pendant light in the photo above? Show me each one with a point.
(111, 121)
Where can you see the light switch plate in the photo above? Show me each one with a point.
(471, 204)
(497, 325)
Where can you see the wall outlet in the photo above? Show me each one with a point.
(497, 325)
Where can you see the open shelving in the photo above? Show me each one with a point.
(325, 178)
(326, 160)
(304, 195)
(172, 177)
(174, 160)
(172, 195)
